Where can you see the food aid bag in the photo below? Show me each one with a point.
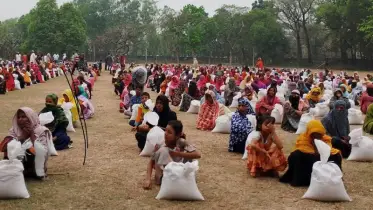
(17, 85)
(167, 93)
(222, 124)
(304, 120)
(226, 109)
(134, 111)
(362, 146)
(66, 109)
(179, 182)
(40, 158)
(278, 113)
(321, 109)
(281, 96)
(154, 137)
(252, 120)
(262, 93)
(46, 118)
(253, 135)
(355, 117)
(12, 181)
(326, 179)
(194, 107)
(235, 100)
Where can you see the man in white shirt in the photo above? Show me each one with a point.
(56, 57)
(19, 58)
(33, 57)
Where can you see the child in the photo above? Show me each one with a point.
(142, 110)
(265, 150)
(176, 149)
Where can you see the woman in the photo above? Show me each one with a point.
(305, 155)
(58, 127)
(164, 85)
(257, 84)
(293, 110)
(201, 82)
(245, 82)
(209, 112)
(265, 153)
(79, 89)
(218, 97)
(313, 97)
(191, 94)
(368, 122)
(178, 89)
(344, 90)
(338, 95)
(356, 92)
(366, 99)
(10, 84)
(67, 96)
(267, 103)
(165, 114)
(82, 81)
(230, 91)
(302, 87)
(27, 130)
(248, 93)
(241, 126)
(338, 127)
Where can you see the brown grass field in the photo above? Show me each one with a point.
(114, 173)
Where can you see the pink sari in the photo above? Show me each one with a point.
(266, 105)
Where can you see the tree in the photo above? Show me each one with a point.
(305, 7)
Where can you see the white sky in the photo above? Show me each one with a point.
(16, 8)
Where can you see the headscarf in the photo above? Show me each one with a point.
(175, 82)
(345, 93)
(166, 114)
(246, 102)
(127, 79)
(74, 109)
(336, 122)
(60, 119)
(201, 82)
(304, 142)
(230, 88)
(244, 82)
(17, 132)
(310, 95)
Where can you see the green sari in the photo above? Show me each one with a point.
(368, 122)
(60, 119)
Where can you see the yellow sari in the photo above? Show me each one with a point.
(74, 109)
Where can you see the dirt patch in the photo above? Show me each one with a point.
(113, 175)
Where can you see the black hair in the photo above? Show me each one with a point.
(177, 126)
(262, 119)
(150, 125)
(139, 87)
(145, 94)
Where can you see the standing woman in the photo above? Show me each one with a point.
(58, 127)
(27, 130)
(338, 127)
(241, 126)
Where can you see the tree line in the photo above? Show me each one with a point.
(298, 32)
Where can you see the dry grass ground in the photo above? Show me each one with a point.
(113, 175)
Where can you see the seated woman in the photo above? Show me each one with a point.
(209, 112)
(2, 85)
(338, 127)
(368, 122)
(241, 126)
(344, 88)
(175, 149)
(338, 95)
(265, 153)
(58, 127)
(164, 85)
(305, 155)
(191, 94)
(162, 108)
(248, 93)
(67, 96)
(230, 91)
(177, 88)
(366, 99)
(27, 129)
(357, 90)
(293, 110)
(313, 97)
(267, 103)
(79, 89)
(218, 97)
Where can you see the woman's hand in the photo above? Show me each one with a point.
(147, 184)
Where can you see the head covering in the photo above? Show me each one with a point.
(336, 122)
(312, 97)
(166, 114)
(201, 82)
(175, 82)
(304, 142)
(60, 119)
(17, 132)
(296, 92)
(211, 93)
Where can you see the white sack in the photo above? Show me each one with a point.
(250, 137)
(222, 124)
(17, 85)
(262, 93)
(278, 113)
(179, 182)
(326, 179)
(46, 118)
(40, 158)
(194, 107)
(362, 146)
(355, 117)
(154, 137)
(235, 100)
(304, 120)
(281, 96)
(134, 111)
(321, 109)
(66, 109)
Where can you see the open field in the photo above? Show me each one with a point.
(113, 175)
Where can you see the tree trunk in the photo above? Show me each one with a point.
(177, 57)
(230, 57)
(94, 52)
(343, 48)
(308, 44)
(299, 46)
(210, 57)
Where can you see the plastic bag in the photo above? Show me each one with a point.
(46, 118)
(362, 146)
(278, 113)
(179, 182)
(355, 117)
(250, 137)
(222, 125)
(154, 137)
(17, 85)
(262, 93)
(134, 111)
(321, 109)
(235, 100)
(326, 179)
(66, 109)
(304, 120)
(194, 107)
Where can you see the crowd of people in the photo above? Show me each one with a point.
(260, 90)
(43, 140)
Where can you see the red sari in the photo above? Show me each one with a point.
(10, 85)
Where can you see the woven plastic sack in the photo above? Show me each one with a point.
(362, 146)
(304, 120)
(278, 113)
(355, 117)
(66, 109)
(222, 124)
(194, 107)
(154, 137)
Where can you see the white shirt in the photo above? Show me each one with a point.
(18, 57)
(55, 57)
(33, 58)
